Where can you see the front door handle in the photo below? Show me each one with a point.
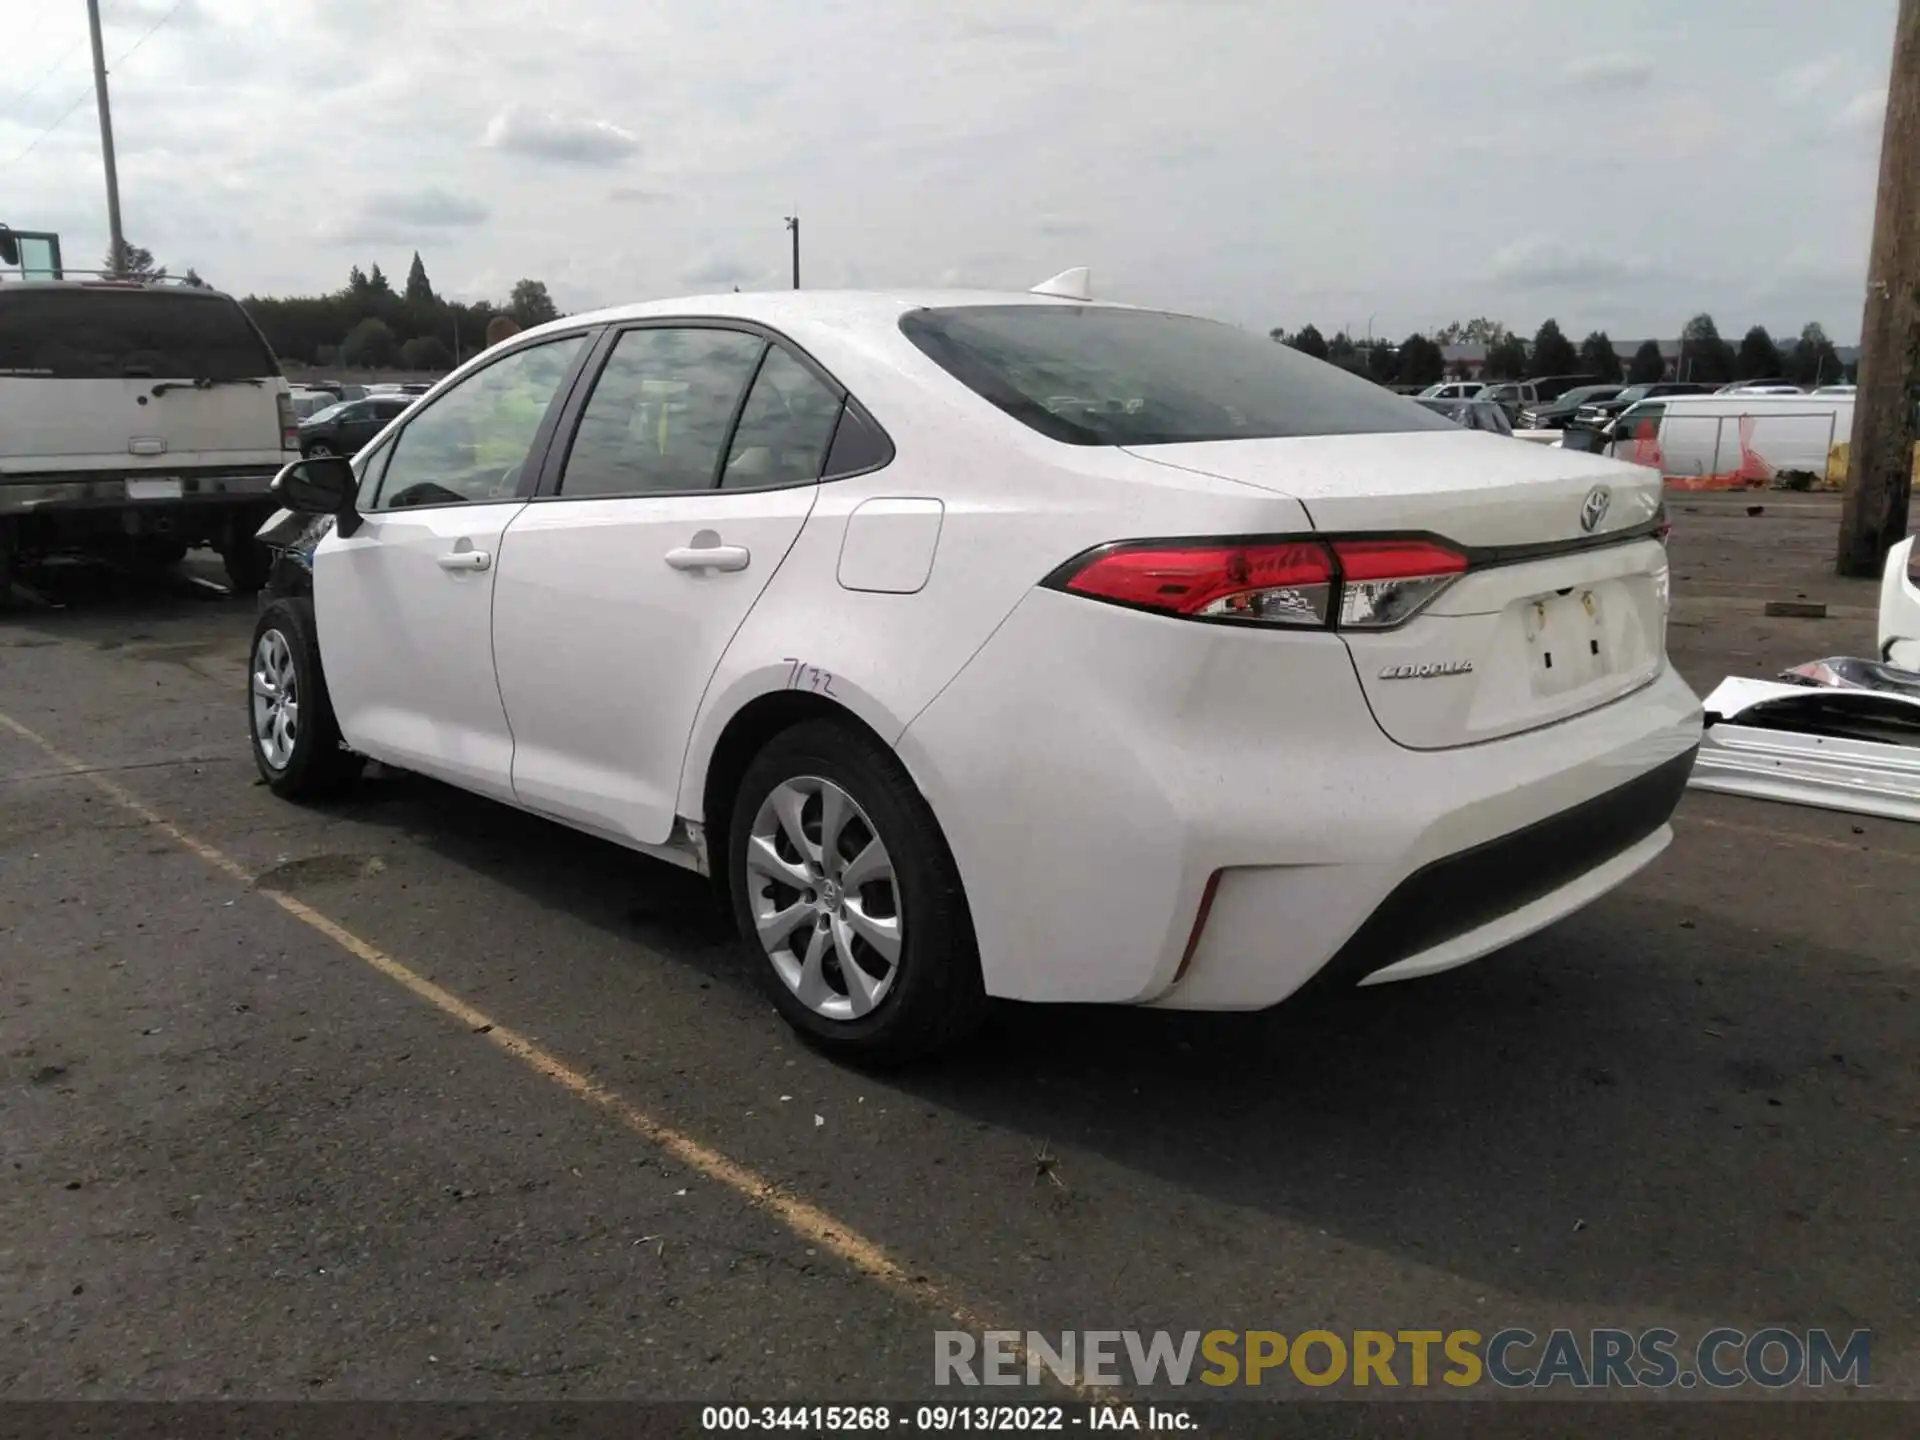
(709, 557)
(466, 560)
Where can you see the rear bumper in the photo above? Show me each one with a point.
(24, 494)
(1147, 811)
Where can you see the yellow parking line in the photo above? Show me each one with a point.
(808, 1221)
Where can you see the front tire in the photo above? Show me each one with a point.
(849, 900)
(296, 740)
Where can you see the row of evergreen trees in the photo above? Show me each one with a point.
(1704, 355)
(370, 324)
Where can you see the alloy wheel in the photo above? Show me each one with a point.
(824, 898)
(276, 699)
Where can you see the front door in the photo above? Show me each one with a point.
(404, 605)
(619, 593)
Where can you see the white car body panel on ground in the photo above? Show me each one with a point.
(1827, 771)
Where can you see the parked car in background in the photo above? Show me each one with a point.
(1512, 396)
(1598, 414)
(760, 585)
(1549, 388)
(1834, 389)
(137, 420)
(1471, 414)
(1556, 413)
(307, 403)
(342, 429)
(1452, 390)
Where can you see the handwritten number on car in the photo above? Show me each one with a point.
(802, 676)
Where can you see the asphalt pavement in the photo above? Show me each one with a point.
(412, 1096)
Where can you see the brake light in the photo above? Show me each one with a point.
(1346, 583)
(289, 427)
(1288, 583)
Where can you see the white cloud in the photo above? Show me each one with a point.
(549, 135)
(1546, 262)
(1862, 115)
(1805, 82)
(1612, 71)
(428, 206)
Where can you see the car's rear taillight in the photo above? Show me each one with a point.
(1358, 583)
(289, 427)
(1286, 583)
(1383, 582)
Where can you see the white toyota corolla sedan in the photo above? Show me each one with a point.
(997, 645)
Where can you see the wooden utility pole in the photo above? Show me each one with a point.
(1886, 413)
(793, 224)
(118, 243)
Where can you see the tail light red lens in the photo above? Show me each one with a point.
(289, 426)
(1353, 583)
(1288, 583)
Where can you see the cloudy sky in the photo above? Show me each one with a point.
(1404, 161)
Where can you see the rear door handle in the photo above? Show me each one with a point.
(466, 560)
(709, 557)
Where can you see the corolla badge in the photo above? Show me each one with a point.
(1594, 508)
(1431, 671)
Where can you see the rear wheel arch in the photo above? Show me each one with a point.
(752, 727)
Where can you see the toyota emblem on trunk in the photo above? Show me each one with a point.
(1594, 508)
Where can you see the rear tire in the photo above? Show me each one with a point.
(901, 887)
(298, 754)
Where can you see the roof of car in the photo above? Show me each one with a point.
(831, 307)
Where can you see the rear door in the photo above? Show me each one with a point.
(691, 468)
(131, 378)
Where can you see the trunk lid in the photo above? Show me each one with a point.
(1524, 638)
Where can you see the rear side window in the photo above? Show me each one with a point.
(1091, 375)
(784, 428)
(86, 334)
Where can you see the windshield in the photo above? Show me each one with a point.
(1094, 375)
(80, 333)
(330, 412)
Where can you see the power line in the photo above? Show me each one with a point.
(45, 75)
(177, 4)
(65, 116)
(81, 99)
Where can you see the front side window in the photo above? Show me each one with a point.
(1094, 375)
(785, 428)
(658, 417)
(472, 442)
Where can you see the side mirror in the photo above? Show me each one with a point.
(320, 485)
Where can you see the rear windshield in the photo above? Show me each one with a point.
(83, 334)
(1096, 376)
